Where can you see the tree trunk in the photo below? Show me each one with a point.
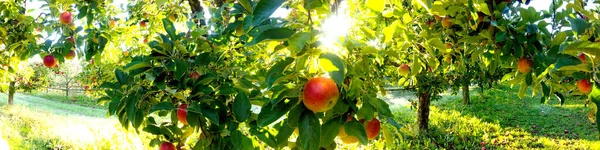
(465, 92)
(11, 93)
(423, 111)
(67, 91)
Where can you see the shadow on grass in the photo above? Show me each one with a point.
(501, 120)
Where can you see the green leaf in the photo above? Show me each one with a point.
(310, 131)
(298, 41)
(181, 68)
(594, 96)
(272, 34)
(121, 76)
(211, 114)
(284, 133)
(566, 60)
(333, 64)
(522, 90)
(559, 38)
(162, 106)
(579, 25)
(329, 131)
(382, 107)
(152, 129)
(170, 28)
(136, 65)
(277, 70)
(271, 112)
(241, 107)
(294, 115)
(264, 9)
(312, 4)
(241, 141)
(376, 5)
(246, 5)
(354, 128)
(545, 91)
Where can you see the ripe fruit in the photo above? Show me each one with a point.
(71, 55)
(145, 41)
(446, 22)
(582, 57)
(126, 53)
(143, 24)
(483, 143)
(112, 23)
(172, 17)
(320, 94)
(448, 45)
(50, 61)
(92, 62)
(349, 139)
(437, 18)
(566, 131)
(430, 23)
(524, 65)
(194, 75)
(182, 113)
(87, 87)
(584, 86)
(66, 17)
(71, 40)
(167, 146)
(404, 70)
(373, 127)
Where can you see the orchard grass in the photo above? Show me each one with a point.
(37, 123)
(496, 115)
(74, 98)
(499, 115)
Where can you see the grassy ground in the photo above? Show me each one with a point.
(37, 123)
(74, 98)
(498, 119)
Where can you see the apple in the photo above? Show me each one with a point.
(584, 86)
(145, 40)
(566, 131)
(373, 127)
(448, 45)
(126, 53)
(404, 70)
(172, 17)
(86, 87)
(57, 72)
(483, 143)
(92, 61)
(66, 17)
(524, 65)
(182, 113)
(112, 23)
(167, 146)
(320, 94)
(50, 61)
(534, 127)
(437, 18)
(582, 57)
(483, 148)
(71, 40)
(194, 75)
(447, 22)
(143, 24)
(71, 55)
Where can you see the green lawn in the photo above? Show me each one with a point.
(37, 123)
(497, 117)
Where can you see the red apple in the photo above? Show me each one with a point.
(524, 65)
(404, 70)
(50, 61)
(566, 131)
(182, 113)
(86, 87)
(582, 57)
(71, 39)
(194, 75)
(373, 127)
(320, 94)
(143, 24)
(584, 86)
(71, 55)
(66, 17)
(167, 146)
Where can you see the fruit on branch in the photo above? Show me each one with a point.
(167, 146)
(446, 22)
(50, 61)
(145, 40)
(126, 53)
(172, 17)
(71, 40)
(320, 94)
(143, 24)
(347, 139)
(70, 55)
(404, 70)
(112, 23)
(524, 65)
(437, 18)
(582, 57)
(373, 127)
(86, 87)
(66, 17)
(448, 45)
(584, 86)
(182, 113)
(194, 75)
